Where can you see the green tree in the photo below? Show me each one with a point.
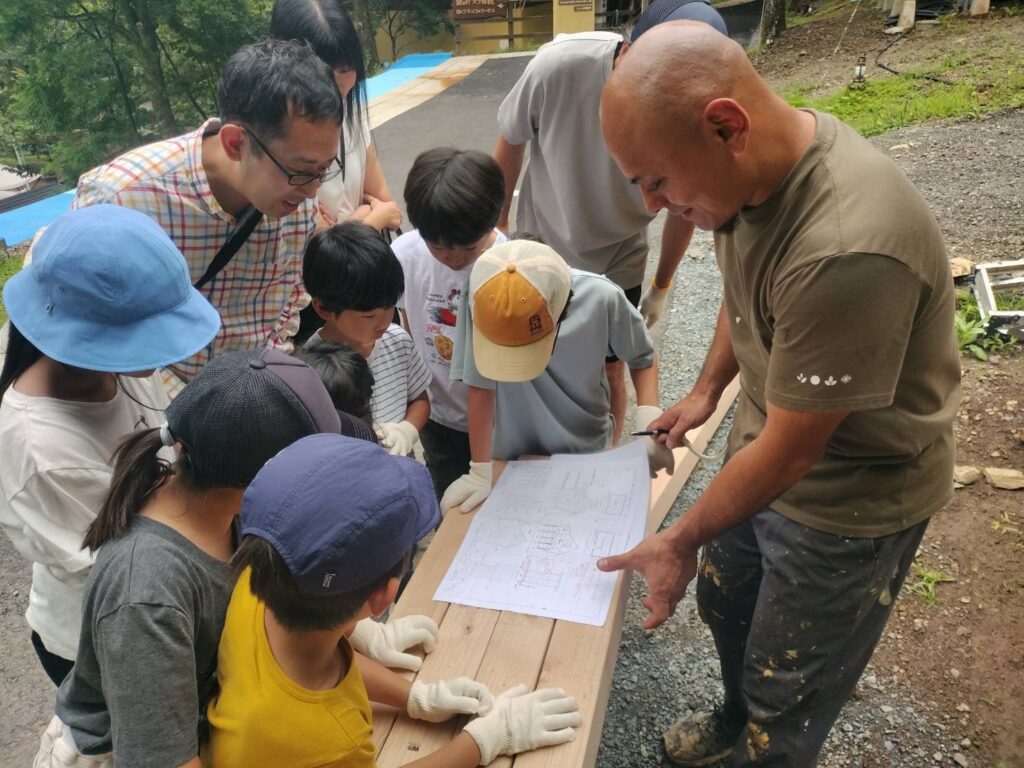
(91, 78)
(396, 17)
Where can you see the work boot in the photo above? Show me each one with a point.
(702, 738)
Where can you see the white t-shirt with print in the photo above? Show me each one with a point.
(54, 477)
(433, 293)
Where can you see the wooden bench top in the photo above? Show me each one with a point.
(502, 648)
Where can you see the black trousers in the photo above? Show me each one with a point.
(446, 452)
(56, 667)
(796, 614)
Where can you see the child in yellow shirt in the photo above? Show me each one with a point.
(329, 524)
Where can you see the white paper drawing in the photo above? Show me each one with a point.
(532, 546)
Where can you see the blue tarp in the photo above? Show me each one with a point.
(402, 71)
(21, 223)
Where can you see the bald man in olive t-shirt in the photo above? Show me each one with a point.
(838, 318)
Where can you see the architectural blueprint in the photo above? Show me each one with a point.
(532, 546)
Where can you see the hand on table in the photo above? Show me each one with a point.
(470, 490)
(443, 700)
(521, 721)
(387, 643)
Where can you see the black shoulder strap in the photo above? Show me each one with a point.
(247, 222)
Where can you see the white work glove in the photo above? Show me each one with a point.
(652, 304)
(658, 456)
(522, 721)
(397, 437)
(386, 643)
(470, 490)
(437, 702)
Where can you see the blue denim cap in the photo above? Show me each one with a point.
(661, 11)
(107, 290)
(340, 511)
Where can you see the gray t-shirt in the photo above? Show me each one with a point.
(147, 656)
(567, 408)
(573, 195)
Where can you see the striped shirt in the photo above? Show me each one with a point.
(399, 374)
(259, 293)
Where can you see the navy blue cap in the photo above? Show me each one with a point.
(661, 11)
(340, 511)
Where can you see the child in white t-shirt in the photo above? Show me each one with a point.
(355, 281)
(453, 198)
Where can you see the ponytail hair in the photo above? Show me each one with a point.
(138, 471)
(21, 355)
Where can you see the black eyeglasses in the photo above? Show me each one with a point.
(336, 168)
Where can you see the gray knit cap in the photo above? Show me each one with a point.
(244, 407)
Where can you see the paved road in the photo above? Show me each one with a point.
(463, 116)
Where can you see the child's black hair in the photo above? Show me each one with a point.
(454, 196)
(344, 372)
(21, 355)
(349, 266)
(272, 583)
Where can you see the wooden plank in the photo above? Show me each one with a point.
(419, 598)
(464, 637)
(516, 655)
(504, 649)
(580, 658)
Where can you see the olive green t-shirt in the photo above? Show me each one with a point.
(840, 298)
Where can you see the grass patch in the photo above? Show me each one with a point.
(924, 586)
(972, 335)
(8, 266)
(985, 79)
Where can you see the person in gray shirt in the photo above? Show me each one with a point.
(156, 598)
(534, 360)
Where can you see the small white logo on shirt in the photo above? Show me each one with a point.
(830, 381)
(328, 578)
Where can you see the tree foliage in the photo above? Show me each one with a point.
(87, 79)
(396, 17)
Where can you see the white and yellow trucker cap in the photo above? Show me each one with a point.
(518, 290)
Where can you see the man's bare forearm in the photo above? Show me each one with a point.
(509, 158)
(720, 366)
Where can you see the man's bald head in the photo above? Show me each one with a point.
(688, 119)
(674, 70)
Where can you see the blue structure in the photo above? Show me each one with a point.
(22, 223)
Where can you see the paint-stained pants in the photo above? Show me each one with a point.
(796, 614)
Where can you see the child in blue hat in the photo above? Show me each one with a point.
(328, 526)
(106, 300)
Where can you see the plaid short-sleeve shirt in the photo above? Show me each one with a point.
(260, 292)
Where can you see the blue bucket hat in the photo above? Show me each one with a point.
(108, 291)
(340, 511)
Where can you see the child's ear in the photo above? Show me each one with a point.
(382, 597)
(321, 310)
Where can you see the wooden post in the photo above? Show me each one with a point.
(907, 14)
(979, 7)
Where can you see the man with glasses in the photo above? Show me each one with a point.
(275, 140)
